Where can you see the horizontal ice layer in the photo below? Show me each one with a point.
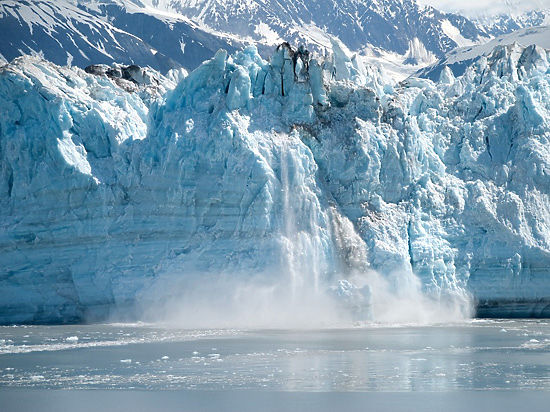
(297, 168)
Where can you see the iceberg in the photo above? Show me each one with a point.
(314, 175)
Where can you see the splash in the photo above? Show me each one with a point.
(304, 241)
(267, 301)
(322, 281)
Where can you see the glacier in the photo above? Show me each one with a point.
(315, 171)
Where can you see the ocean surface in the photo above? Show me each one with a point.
(504, 363)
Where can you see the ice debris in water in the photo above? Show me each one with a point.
(357, 299)
(266, 183)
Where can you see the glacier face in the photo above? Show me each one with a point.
(306, 170)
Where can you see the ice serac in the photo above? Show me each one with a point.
(306, 169)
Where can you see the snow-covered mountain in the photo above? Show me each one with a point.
(168, 34)
(389, 25)
(500, 24)
(310, 172)
(460, 59)
(90, 32)
(401, 35)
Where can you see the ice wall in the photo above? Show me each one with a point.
(304, 169)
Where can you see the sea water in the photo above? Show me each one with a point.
(205, 368)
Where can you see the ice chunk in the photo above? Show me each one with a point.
(446, 77)
(239, 89)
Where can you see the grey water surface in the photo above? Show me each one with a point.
(503, 362)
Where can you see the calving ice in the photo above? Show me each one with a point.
(299, 185)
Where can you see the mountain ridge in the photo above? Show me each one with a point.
(172, 34)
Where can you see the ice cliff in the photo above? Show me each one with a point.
(305, 169)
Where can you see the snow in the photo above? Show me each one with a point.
(267, 34)
(525, 37)
(462, 57)
(357, 24)
(165, 35)
(248, 182)
(478, 8)
(417, 53)
(391, 64)
(454, 33)
(118, 31)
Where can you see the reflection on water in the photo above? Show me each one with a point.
(506, 354)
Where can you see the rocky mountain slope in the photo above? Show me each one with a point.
(460, 59)
(386, 24)
(171, 34)
(85, 32)
(500, 24)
